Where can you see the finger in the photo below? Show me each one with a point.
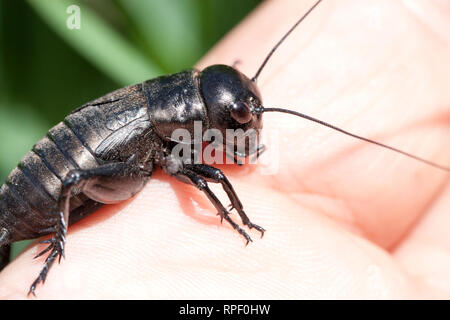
(425, 252)
(150, 249)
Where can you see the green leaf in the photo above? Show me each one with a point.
(97, 42)
(29, 127)
(170, 28)
(18, 247)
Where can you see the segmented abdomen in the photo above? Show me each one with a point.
(28, 198)
(28, 203)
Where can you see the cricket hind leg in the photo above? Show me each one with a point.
(56, 248)
(5, 252)
(109, 183)
(217, 176)
(5, 248)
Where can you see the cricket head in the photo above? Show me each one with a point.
(231, 99)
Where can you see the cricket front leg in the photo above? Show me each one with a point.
(217, 176)
(181, 171)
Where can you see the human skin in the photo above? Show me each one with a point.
(344, 218)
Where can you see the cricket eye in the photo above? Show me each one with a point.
(240, 112)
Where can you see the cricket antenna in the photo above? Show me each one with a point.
(261, 109)
(255, 78)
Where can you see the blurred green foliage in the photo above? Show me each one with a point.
(46, 69)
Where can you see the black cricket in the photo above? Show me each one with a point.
(105, 152)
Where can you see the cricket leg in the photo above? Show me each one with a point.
(185, 175)
(217, 176)
(110, 183)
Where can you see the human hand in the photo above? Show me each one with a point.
(344, 219)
